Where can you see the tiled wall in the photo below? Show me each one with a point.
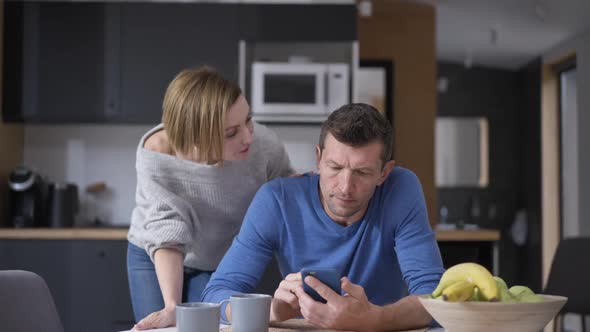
(86, 154)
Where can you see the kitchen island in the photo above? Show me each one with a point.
(107, 233)
(86, 268)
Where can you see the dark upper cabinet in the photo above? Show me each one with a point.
(110, 62)
(158, 40)
(322, 22)
(54, 62)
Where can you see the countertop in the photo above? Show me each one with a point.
(468, 235)
(121, 234)
(63, 233)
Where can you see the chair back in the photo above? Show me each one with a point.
(570, 274)
(26, 303)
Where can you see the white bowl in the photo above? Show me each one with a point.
(493, 316)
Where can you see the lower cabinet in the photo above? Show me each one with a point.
(87, 278)
(481, 252)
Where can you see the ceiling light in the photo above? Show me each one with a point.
(540, 11)
(365, 8)
(468, 62)
(494, 36)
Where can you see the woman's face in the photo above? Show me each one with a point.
(239, 131)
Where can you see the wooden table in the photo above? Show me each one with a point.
(291, 325)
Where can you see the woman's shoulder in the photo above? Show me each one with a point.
(158, 142)
(265, 135)
(266, 141)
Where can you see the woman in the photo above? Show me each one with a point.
(196, 175)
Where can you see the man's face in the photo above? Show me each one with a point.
(348, 178)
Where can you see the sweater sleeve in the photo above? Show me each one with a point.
(415, 242)
(164, 225)
(244, 263)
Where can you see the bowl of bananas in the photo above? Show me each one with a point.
(469, 298)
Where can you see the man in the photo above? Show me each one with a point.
(359, 215)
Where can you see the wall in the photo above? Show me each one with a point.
(580, 44)
(11, 145)
(570, 207)
(86, 154)
(405, 33)
(510, 100)
(489, 93)
(529, 270)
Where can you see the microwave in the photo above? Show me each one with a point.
(299, 92)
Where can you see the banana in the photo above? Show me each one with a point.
(475, 296)
(458, 292)
(473, 273)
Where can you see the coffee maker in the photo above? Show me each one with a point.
(27, 198)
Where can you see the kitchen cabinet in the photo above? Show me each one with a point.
(86, 272)
(53, 62)
(479, 246)
(160, 39)
(110, 62)
(99, 270)
(87, 278)
(297, 23)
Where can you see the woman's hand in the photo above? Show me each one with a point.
(168, 264)
(159, 319)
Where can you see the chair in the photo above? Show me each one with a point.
(569, 276)
(26, 304)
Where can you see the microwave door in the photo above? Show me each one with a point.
(289, 90)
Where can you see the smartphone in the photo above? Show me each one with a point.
(329, 277)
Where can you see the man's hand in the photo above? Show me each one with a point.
(285, 304)
(352, 311)
(159, 319)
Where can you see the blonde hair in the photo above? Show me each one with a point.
(194, 109)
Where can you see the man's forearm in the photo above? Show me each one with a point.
(169, 269)
(407, 313)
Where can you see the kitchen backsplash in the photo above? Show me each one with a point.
(89, 154)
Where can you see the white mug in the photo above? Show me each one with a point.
(249, 312)
(198, 316)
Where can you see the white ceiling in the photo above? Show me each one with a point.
(505, 33)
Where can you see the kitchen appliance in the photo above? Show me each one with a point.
(27, 198)
(63, 204)
(298, 92)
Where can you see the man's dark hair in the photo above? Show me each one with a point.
(359, 125)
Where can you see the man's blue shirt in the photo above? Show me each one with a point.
(391, 251)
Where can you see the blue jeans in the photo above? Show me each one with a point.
(146, 296)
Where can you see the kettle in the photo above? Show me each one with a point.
(63, 204)
(27, 193)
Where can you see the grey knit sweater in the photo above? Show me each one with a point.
(198, 208)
